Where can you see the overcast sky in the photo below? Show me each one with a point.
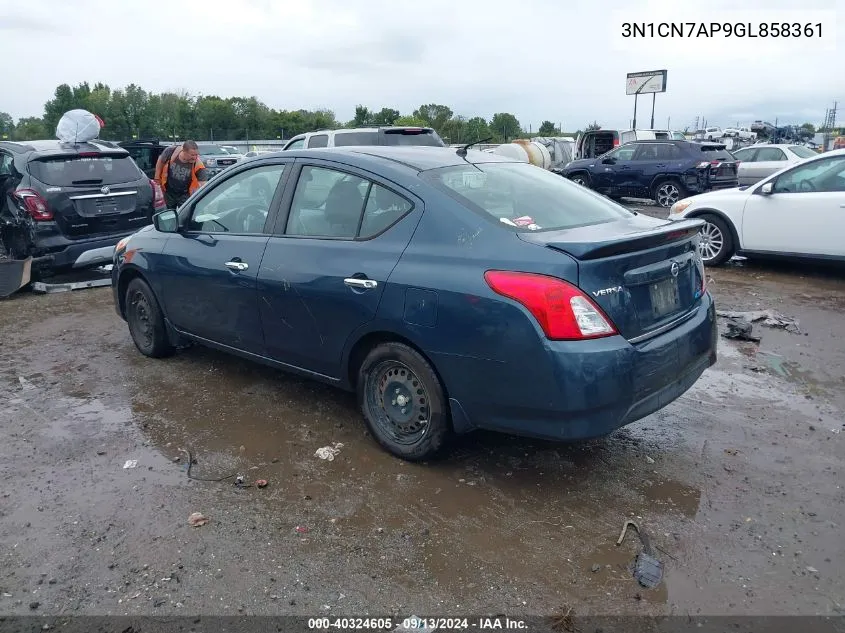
(563, 60)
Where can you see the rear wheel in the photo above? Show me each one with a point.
(668, 192)
(403, 402)
(716, 242)
(146, 322)
(581, 178)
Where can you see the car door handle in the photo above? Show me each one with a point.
(354, 282)
(237, 266)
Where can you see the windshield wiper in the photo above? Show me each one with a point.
(88, 181)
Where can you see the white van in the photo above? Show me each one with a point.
(597, 142)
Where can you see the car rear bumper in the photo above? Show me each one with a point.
(65, 253)
(586, 388)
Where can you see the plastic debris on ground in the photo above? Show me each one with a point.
(197, 519)
(329, 452)
(301, 529)
(130, 463)
(648, 571)
(770, 318)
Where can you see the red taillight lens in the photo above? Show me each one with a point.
(34, 204)
(616, 142)
(563, 311)
(158, 196)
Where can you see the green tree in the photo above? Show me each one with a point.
(362, 116)
(434, 115)
(477, 129)
(455, 130)
(593, 126)
(385, 116)
(505, 126)
(31, 129)
(62, 101)
(547, 128)
(7, 126)
(410, 121)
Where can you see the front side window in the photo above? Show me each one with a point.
(802, 152)
(240, 204)
(817, 176)
(745, 155)
(206, 150)
(524, 197)
(623, 153)
(297, 144)
(5, 164)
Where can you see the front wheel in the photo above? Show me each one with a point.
(715, 242)
(581, 179)
(403, 402)
(668, 193)
(146, 322)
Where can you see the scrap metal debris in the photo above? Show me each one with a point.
(770, 318)
(329, 452)
(741, 330)
(130, 463)
(648, 571)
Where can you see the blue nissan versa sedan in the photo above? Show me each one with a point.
(451, 289)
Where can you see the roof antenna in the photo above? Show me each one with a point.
(462, 151)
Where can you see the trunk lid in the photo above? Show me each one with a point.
(721, 167)
(645, 274)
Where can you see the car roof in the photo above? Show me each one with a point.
(57, 147)
(419, 158)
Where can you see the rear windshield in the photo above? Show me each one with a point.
(716, 152)
(427, 138)
(524, 197)
(342, 139)
(211, 149)
(802, 152)
(66, 171)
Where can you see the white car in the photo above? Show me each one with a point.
(713, 133)
(742, 133)
(797, 212)
(759, 161)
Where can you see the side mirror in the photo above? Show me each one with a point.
(767, 189)
(608, 161)
(166, 221)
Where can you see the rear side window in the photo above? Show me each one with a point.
(320, 140)
(427, 138)
(524, 197)
(715, 152)
(802, 152)
(770, 154)
(66, 171)
(345, 139)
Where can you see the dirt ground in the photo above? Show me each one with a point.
(738, 483)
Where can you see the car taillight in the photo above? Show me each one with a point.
(34, 204)
(563, 311)
(616, 142)
(158, 196)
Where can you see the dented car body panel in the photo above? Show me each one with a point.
(70, 203)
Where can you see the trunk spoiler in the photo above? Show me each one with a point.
(585, 244)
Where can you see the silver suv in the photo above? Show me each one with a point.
(387, 135)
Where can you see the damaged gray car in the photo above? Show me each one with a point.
(66, 205)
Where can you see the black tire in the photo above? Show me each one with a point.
(581, 178)
(667, 192)
(717, 244)
(415, 431)
(145, 320)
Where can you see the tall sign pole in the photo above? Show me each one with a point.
(653, 99)
(651, 81)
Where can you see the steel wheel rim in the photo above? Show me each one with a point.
(141, 325)
(667, 195)
(711, 242)
(399, 402)
(580, 180)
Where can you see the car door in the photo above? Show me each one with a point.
(209, 269)
(804, 214)
(327, 264)
(767, 161)
(610, 172)
(746, 158)
(651, 160)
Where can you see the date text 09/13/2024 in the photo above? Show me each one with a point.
(415, 623)
(750, 30)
